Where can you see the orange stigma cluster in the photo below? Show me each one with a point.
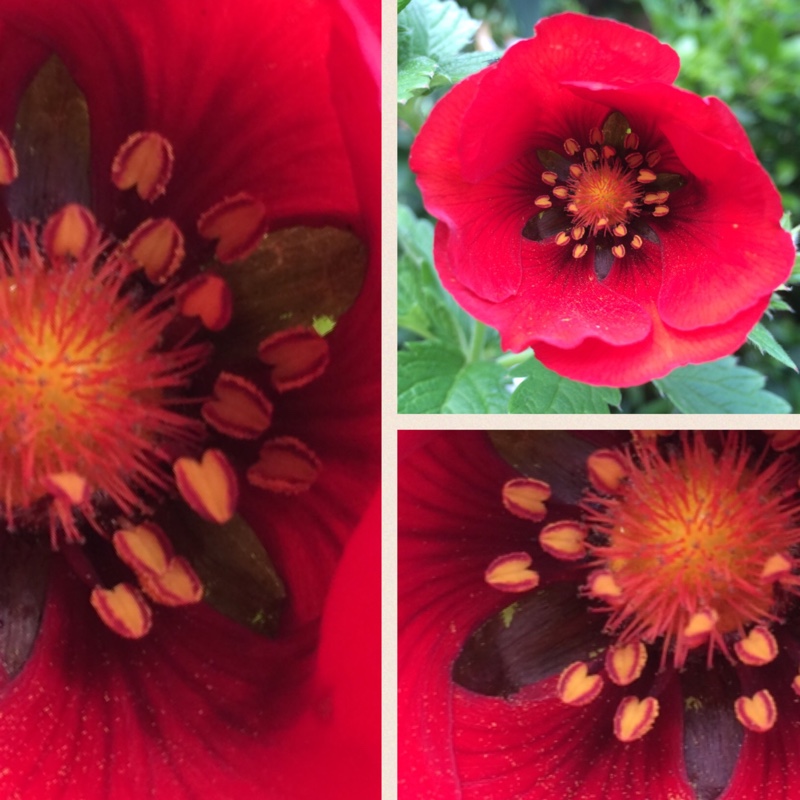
(602, 194)
(106, 403)
(688, 544)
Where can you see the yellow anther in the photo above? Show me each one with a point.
(646, 176)
(635, 718)
(564, 540)
(562, 238)
(620, 229)
(759, 647)
(757, 713)
(618, 250)
(631, 141)
(636, 241)
(661, 211)
(549, 178)
(512, 573)
(577, 232)
(208, 486)
(625, 663)
(543, 201)
(576, 687)
(145, 162)
(123, 609)
(561, 192)
(579, 251)
(157, 246)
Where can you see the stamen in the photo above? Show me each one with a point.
(285, 465)
(591, 155)
(209, 486)
(576, 170)
(633, 160)
(646, 176)
(72, 231)
(564, 540)
(543, 201)
(608, 151)
(561, 192)
(145, 162)
(635, 718)
(562, 238)
(759, 647)
(596, 136)
(620, 230)
(239, 409)
(757, 713)
(209, 298)
(576, 687)
(157, 246)
(618, 250)
(144, 548)
(525, 498)
(660, 211)
(631, 141)
(607, 471)
(636, 241)
(699, 627)
(69, 487)
(123, 609)
(512, 573)
(577, 232)
(549, 178)
(776, 567)
(571, 147)
(652, 158)
(239, 222)
(297, 357)
(8, 162)
(580, 250)
(652, 198)
(601, 585)
(625, 663)
(178, 585)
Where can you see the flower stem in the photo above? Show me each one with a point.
(510, 360)
(476, 346)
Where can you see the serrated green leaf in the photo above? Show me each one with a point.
(455, 68)
(434, 378)
(414, 76)
(763, 339)
(437, 29)
(401, 4)
(545, 392)
(777, 303)
(720, 387)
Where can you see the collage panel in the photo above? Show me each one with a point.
(590, 614)
(597, 207)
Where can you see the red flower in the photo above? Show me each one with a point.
(658, 654)
(201, 705)
(590, 209)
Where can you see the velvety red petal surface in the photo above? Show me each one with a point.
(241, 91)
(533, 747)
(521, 98)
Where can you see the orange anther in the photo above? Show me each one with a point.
(297, 356)
(591, 155)
(618, 250)
(543, 201)
(562, 238)
(123, 609)
(609, 151)
(601, 223)
(8, 161)
(157, 247)
(72, 231)
(783, 440)
(145, 162)
(561, 192)
(646, 176)
(564, 540)
(635, 718)
(606, 470)
(208, 486)
(178, 585)
(577, 232)
(571, 147)
(285, 465)
(549, 178)
(636, 241)
(525, 498)
(625, 663)
(633, 160)
(576, 687)
(579, 251)
(576, 170)
(209, 298)
(631, 141)
(601, 585)
(776, 567)
(620, 229)
(512, 573)
(69, 487)
(144, 548)
(796, 684)
(595, 136)
(572, 208)
(757, 713)
(699, 626)
(238, 409)
(661, 211)
(759, 647)
(239, 222)
(652, 158)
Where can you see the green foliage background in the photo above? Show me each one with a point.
(746, 52)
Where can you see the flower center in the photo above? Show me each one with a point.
(603, 194)
(87, 382)
(690, 544)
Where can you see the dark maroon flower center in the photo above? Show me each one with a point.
(602, 194)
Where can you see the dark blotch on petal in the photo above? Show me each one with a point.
(555, 162)
(541, 635)
(712, 734)
(666, 182)
(644, 230)
(614, 129)
(545, 224)
(603, 262)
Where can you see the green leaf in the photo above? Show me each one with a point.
(437, 29)
(401, 4)
(414, 76)
(455, 68)
(720, 387)
(763, 339)
(414, 235)
(434, 378)
(545, 392)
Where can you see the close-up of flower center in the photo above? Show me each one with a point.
(602, 192)
(687, 545)
(113, 399)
